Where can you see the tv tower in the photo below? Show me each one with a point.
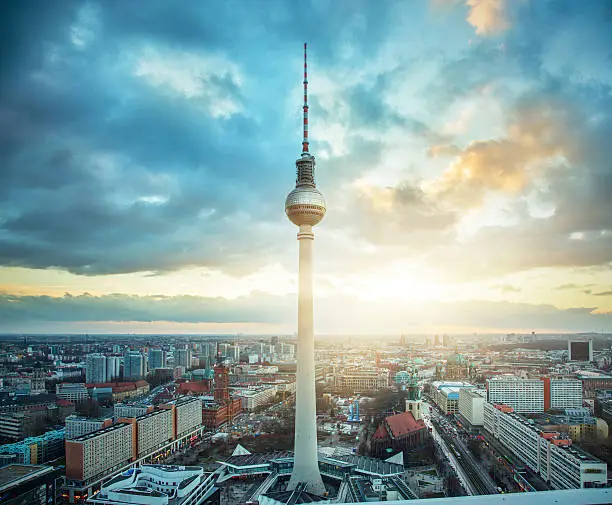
(305, 207)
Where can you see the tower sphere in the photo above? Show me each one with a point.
(305, 205)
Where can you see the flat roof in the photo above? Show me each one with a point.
(100, 432)
(17, 474)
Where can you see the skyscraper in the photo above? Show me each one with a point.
(157, 359)
(133, 366)
(305, 207)
(95, 368)
(182, 357)
(113, 368)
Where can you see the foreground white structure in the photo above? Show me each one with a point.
(157, 485)
(305, 207)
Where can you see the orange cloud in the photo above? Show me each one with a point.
(489, 17)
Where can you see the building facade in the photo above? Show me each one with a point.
(157, 359)
(93, 455)
(130, 410)
(188, 412)
(74, 392)
(95, 368)
(471, 406)
(547, 453)
(133, 366)
(113, 368)
(77, 426)
(154, 430)
(361, 380)
(523, 395)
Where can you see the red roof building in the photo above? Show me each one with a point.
(400, 432)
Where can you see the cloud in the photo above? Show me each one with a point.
(604, 293)
(507, 288)
(488, 17)
(20, 312)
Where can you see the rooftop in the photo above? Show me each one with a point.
(103, 431)
(11, 475)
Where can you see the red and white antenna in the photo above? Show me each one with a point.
(305, 140)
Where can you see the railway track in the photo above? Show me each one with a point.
(469, 466)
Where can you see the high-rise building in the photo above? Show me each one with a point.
(91, 456)
(549, 453)
(182, 357)
(188, 412)
(471, 405)
(95, 368)
(157, 359)
(133, 366)
(113, 368)
(530, 396)
(236, 353)
(305, 207)
(77, 426)
(580, 350)
(523, 395)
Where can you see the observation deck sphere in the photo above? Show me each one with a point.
(305, 205)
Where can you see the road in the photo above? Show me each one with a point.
(477, 480)
(461, 475)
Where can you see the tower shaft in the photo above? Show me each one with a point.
(306, 466)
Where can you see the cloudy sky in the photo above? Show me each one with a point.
(464, 148)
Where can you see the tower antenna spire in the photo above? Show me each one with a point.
(305, 140)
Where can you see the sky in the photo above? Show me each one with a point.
(463, 147)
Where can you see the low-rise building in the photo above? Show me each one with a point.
(28, 484)
(358, 380)
(256, 397)
(74, 392)
(400, 432)
(35, 450)
(446, 395)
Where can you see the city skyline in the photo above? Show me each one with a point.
(145, 165)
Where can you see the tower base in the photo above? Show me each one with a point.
(312, 483)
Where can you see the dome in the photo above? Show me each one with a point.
(305, 205)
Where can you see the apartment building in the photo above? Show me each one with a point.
(523, 395)
(130, 410)
(188, 412)
(95, 368)
(471, 406)
(564, 394)
(529, 396)
(548, 453)
(154, 430)
(99, 453)
(77, 426)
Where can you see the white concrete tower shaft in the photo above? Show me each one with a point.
(305, 207)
